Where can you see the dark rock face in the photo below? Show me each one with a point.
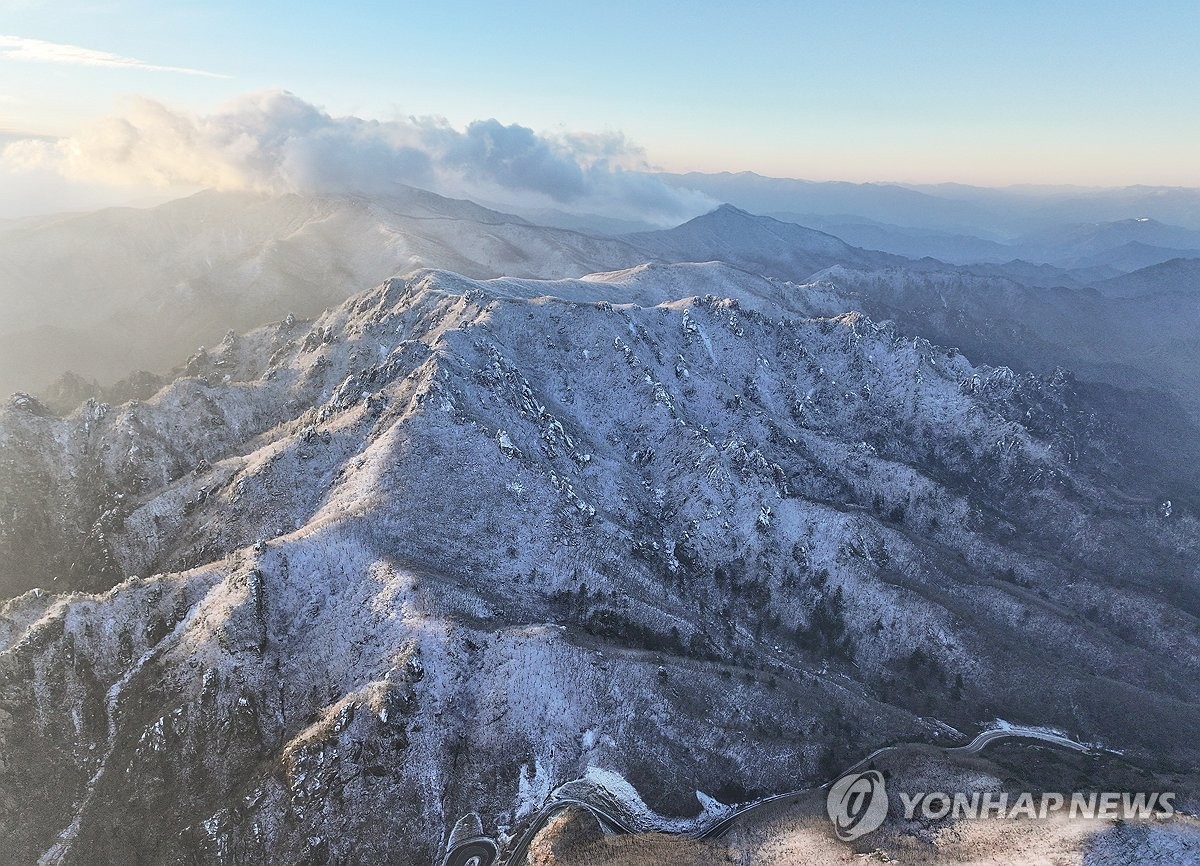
(447, 547)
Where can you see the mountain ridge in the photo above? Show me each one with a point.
(757, 243)
(664, 501)
(142, 289)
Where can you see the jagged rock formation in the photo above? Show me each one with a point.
(454, 541)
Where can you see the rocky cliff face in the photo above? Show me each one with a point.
(454, 542)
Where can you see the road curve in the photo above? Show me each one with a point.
(977, 745)
(604, 818)
(1018, 732)
(477, 851)
(481, 851)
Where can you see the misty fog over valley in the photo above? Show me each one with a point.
(419, 490)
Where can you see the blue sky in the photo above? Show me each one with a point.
(1099, 93)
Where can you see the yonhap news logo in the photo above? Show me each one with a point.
(857, 804)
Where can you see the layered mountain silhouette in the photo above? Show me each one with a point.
(455, 541)
(687, 517)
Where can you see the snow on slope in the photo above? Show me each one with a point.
(108, 292)
(1140, 335)
(457, 534)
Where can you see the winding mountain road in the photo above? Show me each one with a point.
(479, 851)
(482, 851)
(1018, 732)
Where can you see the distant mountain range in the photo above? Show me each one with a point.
(142, 289)
(710, 512)
(1078, 254)
(1176, 277)
(454, 542)
(990, 213)
(145, 288)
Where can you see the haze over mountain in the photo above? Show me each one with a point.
(988, 213)
(681, 511)
(756, 243)
(955, 249)
(145, 288)
(1146, 342)
(487, 434)
(464, 538)
(1178, 276)
(1078, 252)
(1143, 239)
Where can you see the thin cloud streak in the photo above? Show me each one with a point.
(39, 51)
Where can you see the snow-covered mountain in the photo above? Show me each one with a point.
(108, 292)
(141, 289)
(1146, 343)
(455, 541)
(113, 291)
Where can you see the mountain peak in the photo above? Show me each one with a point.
(757, 243)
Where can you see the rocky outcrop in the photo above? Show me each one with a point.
(455, 542)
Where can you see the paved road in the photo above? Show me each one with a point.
(479, 851)
(484, 852)
(605, 818)
(1018, 732)
(976, 745)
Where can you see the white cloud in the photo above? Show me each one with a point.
(38, 51)
(275, 141)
